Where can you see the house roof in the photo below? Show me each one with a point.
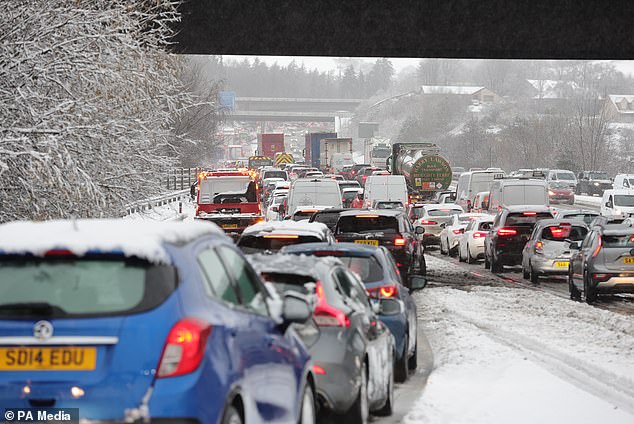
(623, 103)
(553, 89)
(451, 89)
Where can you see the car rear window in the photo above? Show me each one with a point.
(367, 224)
(585, 217)
(368, 268)
(417, 212)
(330, 219)
(301, 215)
(288, 282)
(563, 232)
(76, 287)
(254, 244)
(275, 174)
(526, 218)
(443, 212)
(621, 240)
(349, 185)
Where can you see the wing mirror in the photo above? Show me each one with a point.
(417, 282)
(275, 209)
(376, 306)
(420, 230)
(574, 245)
(295, 309)
(443, 225)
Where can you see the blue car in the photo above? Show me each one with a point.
(379, 273)
(130, 320)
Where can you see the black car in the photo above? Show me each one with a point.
(603, 263)
(389, 228)
(329, 217)
(511, 230)
(355, 169)
(593, 182)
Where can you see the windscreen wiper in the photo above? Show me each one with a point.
(31, 308)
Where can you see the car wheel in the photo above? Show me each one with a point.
(231, 416)
(452, 251)
(534, 275)
(575, 294)
(588, 292)
(460, 257)
(487, 263)
(359, 412)
(308, 413)
(470, 259)
(423, 266)
(400, 364)
(388, 408)
(525, 273)
(442, 251)
(496, 268)
(412, 362)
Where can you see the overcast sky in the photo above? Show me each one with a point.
(332, 63)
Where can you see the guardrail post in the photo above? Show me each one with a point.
(182, 179)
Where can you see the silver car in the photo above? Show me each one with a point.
(547, 251)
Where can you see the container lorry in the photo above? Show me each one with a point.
(334, 153)
(377, 150)
(270, 144)
(313, 146)
(424, 169)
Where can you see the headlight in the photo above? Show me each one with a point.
(596, 184)
(551, 193)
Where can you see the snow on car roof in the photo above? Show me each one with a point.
(142, 239)
(286, 227)
(436, 206)
(290, 264)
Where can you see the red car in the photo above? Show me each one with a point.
(560, 192)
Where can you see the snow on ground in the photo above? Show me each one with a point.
(508, 355)
(166, 212)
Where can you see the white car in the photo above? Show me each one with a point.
(273, 211)
(432, 217)
(453, 230)
(471, 243)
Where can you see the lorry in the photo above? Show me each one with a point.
(424, 169)
(377, 150)
(334, 153)
(312, 147)
(270, 144)
(230, 199)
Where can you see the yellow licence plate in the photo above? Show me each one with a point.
(561, 264)
(48, 358)
(629, 260)
(229, 226)
(370, 242)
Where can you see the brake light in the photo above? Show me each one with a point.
(598, 249)
(184, 347)
(399, 242)
(59, 252)
(319, 370)
(539, 247)
(479, 234)
(366, 216)
(280, 236)
(460, 231)
(507, 232)
(601, 277)
(383, 292)
(425, 222)
(530, 213)
(326, 315)
(365, 177)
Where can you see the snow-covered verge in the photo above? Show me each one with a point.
(590, 201)
(514, 355)
(166, 212)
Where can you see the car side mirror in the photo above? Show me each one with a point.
(420, 230)
(275, 209)
(295, 309)
(574, 245)
(443, 225)
(608, 205)
(417, 282)
(376, 306)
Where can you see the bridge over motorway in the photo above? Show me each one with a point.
(291, 109)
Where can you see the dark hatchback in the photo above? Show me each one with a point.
(328, 217)
(511, 229)
(389, 228)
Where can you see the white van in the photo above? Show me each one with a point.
(473, 182)
(313, 192)
(617, 204)
(385, 187)
(518, 191)
(623, 181)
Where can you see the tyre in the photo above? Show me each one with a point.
(308, 414)
(231, 416)
(453, 252)
(442, 251)
(423, 266)
(534, 275)
(460, 258)
(412, 362)
(400, 364)
(388, 408)
(525, 273)
(496, 268)
(470, 259)
(359, 412)
(487, 264)
(589, 293)
(575, 294)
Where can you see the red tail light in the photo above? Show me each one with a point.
(399, 242)
(460, 231)
(184, 347)
(385, 292)
(479, 234)
(539, 247)
(598, 249)
(318, 370)
(425, 222)
(59, 252)
(601, 277)
(504, 232)
(326, 315)
(530, 213)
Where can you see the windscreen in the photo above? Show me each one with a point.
(563, 232)
(254, 244)
(559, 185)
(566, 176)
(624, 240)
(230, 189)
(481, 182)
(82, 287)
(599, 175)
(389, 205)
(368, 268)
(624, 200)
(367, 224)
(527, 218)
(381, 152)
